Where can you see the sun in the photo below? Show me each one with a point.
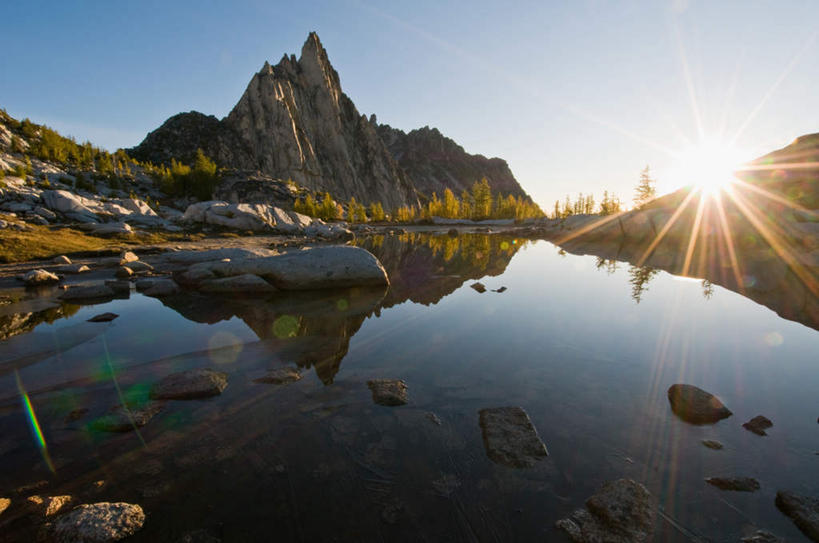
(708, 166)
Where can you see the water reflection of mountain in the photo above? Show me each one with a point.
(310, 329)
(425, 267)
(313, 329)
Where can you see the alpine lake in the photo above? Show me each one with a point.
(587, 347)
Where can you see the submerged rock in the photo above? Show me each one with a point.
(99, 522)
(694, 405)
(103, 317)
(280, 376)
(189, 385)
(758, 425)
(480, 287)
(510, 437)
(804, 512)
(125, 419)
(711, 444)
(620, 512)
(388, 391)
(500, 290)
(738, 484)
(36, 278)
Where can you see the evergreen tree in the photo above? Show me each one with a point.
(646, 188)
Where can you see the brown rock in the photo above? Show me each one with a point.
(694, 405)
(389, 392)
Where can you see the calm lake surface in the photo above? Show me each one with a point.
(317, 460)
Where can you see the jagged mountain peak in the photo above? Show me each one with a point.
(294, 122)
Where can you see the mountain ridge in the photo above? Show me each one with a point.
(294, 122)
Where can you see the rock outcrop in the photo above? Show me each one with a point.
(435, 162)
(293, 122)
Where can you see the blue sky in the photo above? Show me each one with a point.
(576, 96)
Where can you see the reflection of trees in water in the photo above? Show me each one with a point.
(707, 289)
(639, 277)
(607, 264)
(425, 267)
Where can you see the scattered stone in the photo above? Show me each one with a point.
(510, 438)
(103, 317)
(4, 504)
(161, 287)
(480, 287)
(36, 278)
(500, 290)
(75, 268)
(127, 256)
(124, 419)
(711, 444)
(758, 425)
(694, 405)
(138, 266)
(189, 385)
(246, 283)
(761, 536)
(388, 392)
(280, 376)
(94, 292)
(62, 259)
(111, 229)
(804, 512)
(99, 522)
(124, 272)
(738, 484)
(50, 505)
(435, 419)
(620, 512)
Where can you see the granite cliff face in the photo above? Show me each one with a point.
(294, 122)
(435, 162)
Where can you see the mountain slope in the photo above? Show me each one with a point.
(435, 162)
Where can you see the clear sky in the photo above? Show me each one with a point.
(576, 95)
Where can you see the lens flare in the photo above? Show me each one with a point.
(34, 423)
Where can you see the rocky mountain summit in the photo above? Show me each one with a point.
(435, 162)
(294, 122)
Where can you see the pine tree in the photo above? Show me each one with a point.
(646, 188)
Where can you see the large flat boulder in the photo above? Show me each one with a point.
(308, 269)
(510, 438)
(68, 204)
